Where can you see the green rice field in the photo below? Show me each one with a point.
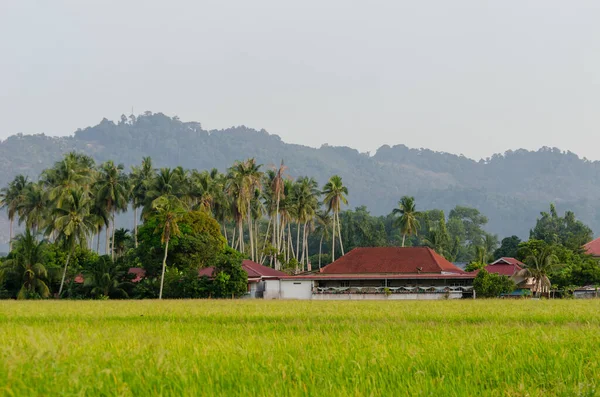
(297, 348)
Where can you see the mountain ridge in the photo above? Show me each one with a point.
(510, 188)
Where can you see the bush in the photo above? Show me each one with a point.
(488, 285)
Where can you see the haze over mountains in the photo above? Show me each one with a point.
(510, 189)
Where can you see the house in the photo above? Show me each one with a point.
(382, 273)
(593, 248)
(263, 281)
(511, 267)
(587, 292)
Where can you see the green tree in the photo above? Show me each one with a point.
(540, 262)
(105, 279)
(491, 285)
(169, 212)
(34, 207)
(12, 198)
(230, 278)
(113, 192)
(73, 223)
(566, 231)
(508, 247)
(140, 181)
(25, 267)
(407, 217)
(335, 195)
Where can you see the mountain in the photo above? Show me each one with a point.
(510, 189)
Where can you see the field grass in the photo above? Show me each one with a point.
(290, 348)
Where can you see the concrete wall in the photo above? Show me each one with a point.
(420, 296)
(271, 289)
(296, 289)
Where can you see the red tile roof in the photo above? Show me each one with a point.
(503, 269)
(593, 247)
(254, 270)
(381, 276)
(506, 260)
(138, 272)
(381, 260)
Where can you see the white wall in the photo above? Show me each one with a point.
(271, 290)
(296, 289)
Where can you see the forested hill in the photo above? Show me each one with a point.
(511, 189)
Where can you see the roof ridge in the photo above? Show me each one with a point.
(430, 251)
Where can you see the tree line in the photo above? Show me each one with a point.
(192, 219)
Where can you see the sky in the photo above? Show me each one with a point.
(472, 77)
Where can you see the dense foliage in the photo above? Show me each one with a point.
(491, 285)
(510, 188)
(192, 219)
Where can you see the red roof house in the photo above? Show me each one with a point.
(392, 261)
(505, 266)
(390, 273)
(593, 248)
(256, 272)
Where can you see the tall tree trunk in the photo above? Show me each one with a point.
(250, 233)
(107, 242)
(164, 266)
(10, 234)
(297, 252)
(62, 282)
(225, 232)
(135, 222)
(340, 234)
(98, 242)
(241, 235)
(112, 251)
(403, 238)
(333, 241)
(303, 245)
(320, 249)
(233, 244)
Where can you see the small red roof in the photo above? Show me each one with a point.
(254, 270)
(409, 260)
(506, 260)
(138, 272)
(593, 247)
(388, 276)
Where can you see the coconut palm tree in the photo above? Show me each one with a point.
(324, 221)
(73, 224)
(169, 210)
(407, 220)
(306, 204)
(11, 198)
(34, 207)
(105, 279)
(112, 190)
(74, 171)
(167, 182)
(539, 266)
(245, 178)
(335, 195)
(26, 266)
(140, 179)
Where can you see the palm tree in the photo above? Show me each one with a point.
(324, 221)
(105, 279)
(11, 198)
(26, 266)
(75, 171)
(306, 203)
(140, 179)
(166, 182)
(34, 207)
(335, 195)
(408, 221)
(169, 211)
(73, 223)
(121, 240)
(245, 180)
(539, 266)
(112, 190)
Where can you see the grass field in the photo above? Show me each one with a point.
(285, 348)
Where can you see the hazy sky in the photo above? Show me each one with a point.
(464, 76)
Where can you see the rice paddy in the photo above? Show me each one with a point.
(297, 348)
